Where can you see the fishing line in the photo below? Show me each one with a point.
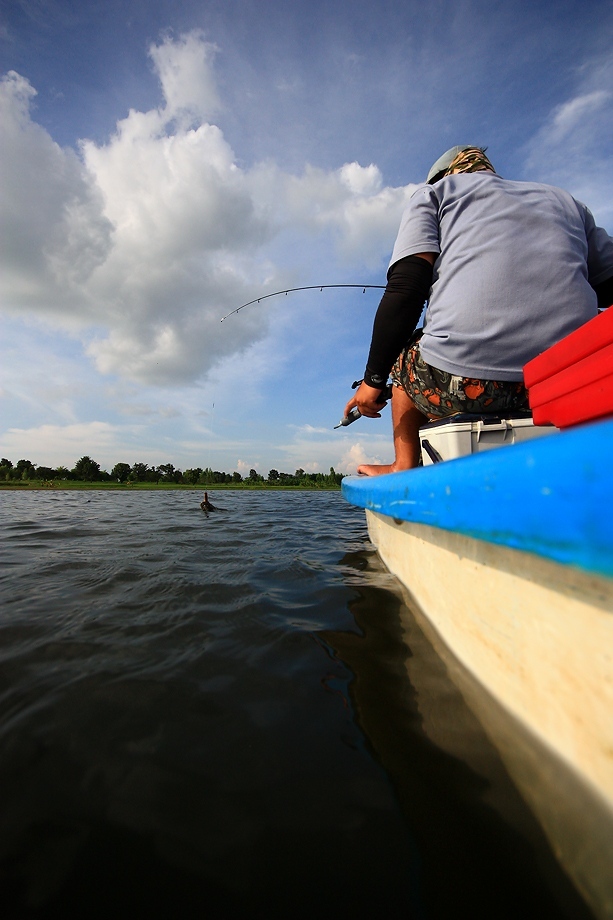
(310, 287)
(211, 438)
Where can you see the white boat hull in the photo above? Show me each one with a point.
(530, 643)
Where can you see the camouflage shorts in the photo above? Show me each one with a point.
(438, 393)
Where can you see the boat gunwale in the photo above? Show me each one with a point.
(550, 496)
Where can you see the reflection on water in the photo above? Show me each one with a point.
(219, 716)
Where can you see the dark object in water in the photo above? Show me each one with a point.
(206, 505)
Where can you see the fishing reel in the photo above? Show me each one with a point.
(355, 414)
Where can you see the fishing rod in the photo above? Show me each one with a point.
(310, 287)
(355, 414)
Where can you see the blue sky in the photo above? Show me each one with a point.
(165, 162)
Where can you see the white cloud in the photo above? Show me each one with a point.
(185, 72)
(105, 442)
(142, 243)
(573, 147)
(350, 204)
(334, 450)
(357, 455)
(569, 116)
(53, 445)
(361, 180)
(53, 230)
(369, 223)
(307, 430)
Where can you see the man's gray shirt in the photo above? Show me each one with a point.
(514, 274)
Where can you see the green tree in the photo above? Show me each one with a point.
(334, 478)
(120, 472)
(167, 472)
(138, 473)
(24, 469)
(45, 472)
(86, 469)
(192, 477)
(273, 475)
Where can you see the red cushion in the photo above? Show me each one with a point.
(572, 382)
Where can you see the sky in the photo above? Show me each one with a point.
(165, 161)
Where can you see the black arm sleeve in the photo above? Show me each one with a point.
(604, 292)
(408, 287)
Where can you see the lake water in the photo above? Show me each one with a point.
(221, 716)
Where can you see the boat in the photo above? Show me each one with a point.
(505, 552)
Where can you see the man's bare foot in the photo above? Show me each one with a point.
(367, 469)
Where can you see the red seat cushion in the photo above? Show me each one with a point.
(572, 382)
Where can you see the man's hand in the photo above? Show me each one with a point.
(368, 400)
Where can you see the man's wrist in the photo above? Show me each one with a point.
(377, 381)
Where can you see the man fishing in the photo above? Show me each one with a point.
(508, 269)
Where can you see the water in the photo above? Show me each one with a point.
(219, 716)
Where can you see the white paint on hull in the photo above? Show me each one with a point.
(538, 638)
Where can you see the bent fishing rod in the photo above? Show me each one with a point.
(309, 287)
(355, 414)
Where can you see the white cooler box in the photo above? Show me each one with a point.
(459, 435)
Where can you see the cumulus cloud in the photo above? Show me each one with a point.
(317, 453)
(356, 455)
(361, 180)
(145, 241)
(53, 230)
(351, 205)
(186, 76)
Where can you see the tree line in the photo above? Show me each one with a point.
(88, 470)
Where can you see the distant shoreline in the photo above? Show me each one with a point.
(68, 486)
